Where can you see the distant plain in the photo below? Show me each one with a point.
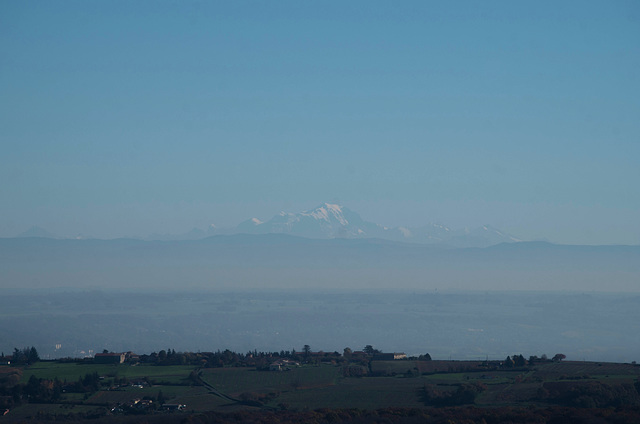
(457, 325)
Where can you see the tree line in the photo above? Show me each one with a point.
(24, 356)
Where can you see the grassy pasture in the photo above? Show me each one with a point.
(394, 367)
(508, 394)
(323, 386)
(593, 369)
(365, 393)
(130, 393)
(200, 401)
(425, 367)
(175, 374)
(66, 371)
(319, 386)
(234, 381)
(488, 378)
(29, 411)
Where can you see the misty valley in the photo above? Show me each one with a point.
(277, 327)
(448, 325)
(318, 356)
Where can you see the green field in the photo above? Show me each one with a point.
(29, 411)
(128, 394)
(591, 369)
(234, 381)
(72, 371)
(363, 393)
(317, 387)
(324, 386)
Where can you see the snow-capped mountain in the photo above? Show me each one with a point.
(335, 221)
(325, 221)
(331, 221)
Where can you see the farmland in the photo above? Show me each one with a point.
(234, 381)
(322, 386)
(71, 371)
(410, 384)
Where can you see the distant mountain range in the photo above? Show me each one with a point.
(332, 221)
(281, 261)
(335, 221)
(328, 247)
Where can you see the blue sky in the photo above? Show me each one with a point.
(129, 118)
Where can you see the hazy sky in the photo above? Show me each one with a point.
(135, 117)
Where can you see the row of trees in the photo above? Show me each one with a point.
(251, 358)
(42, 390)
(517, 361)
(29, 355)
(36, 390)
(24, 356)
(219, 358)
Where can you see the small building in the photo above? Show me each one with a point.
(282, 365)
(144, 404)
(276, 366)
(389, 356)
(109, 358)
(131, 357)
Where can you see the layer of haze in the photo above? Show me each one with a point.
(130, 118)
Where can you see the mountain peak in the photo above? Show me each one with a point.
(327, 212)
(333, 206)
(332, 220)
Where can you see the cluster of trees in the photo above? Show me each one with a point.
(168, 357)
(517, 361)
(24, 356)
(254, 358)
(591, 394)
(29, 355)
(42, 390)
(355, 371)
(87, 384)
(369, 350)
(558, 357)
(36, 390)
(219, 358)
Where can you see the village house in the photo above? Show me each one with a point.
(131, 357)
(282, 365)
(389, 356)
(109, 358)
